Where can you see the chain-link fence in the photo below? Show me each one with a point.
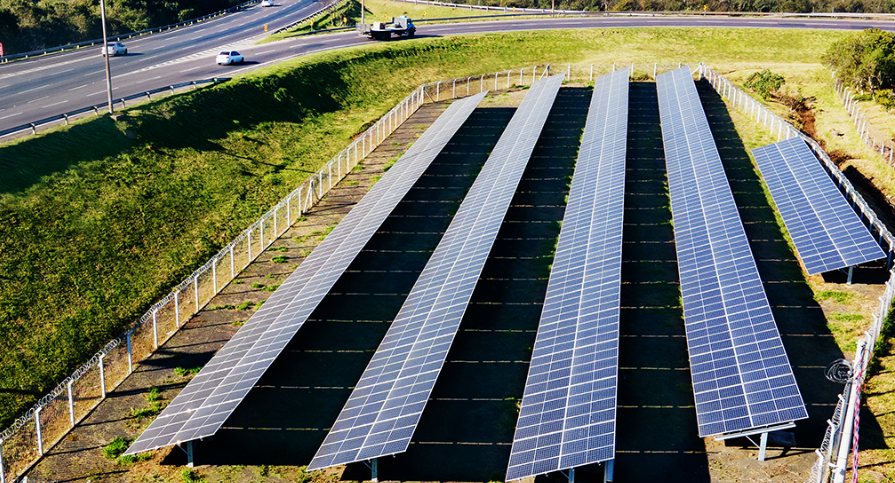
(832, 456)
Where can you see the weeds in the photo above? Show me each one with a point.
(257, 285)
(271, 288)
(279, 259)
(834, 295)
(245, 305)
(238, 323)
(183, 371)
(223, 307)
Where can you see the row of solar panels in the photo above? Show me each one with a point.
(742, 379)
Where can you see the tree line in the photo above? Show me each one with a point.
(27, 25)
(796, 6)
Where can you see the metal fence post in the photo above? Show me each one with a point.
(521, 73)
(261, 235)
(196, 291)
(130, 354)
(534, 74)
(155, 328)
(177, 308)
(214, 276)
(482, 85)
(591, 72)
(275, 214)
(40, 443)
(102, 375)
(71, 403)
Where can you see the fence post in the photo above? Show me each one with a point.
(261, 235)
(534, 74)
(155, 327)
(40, 443)
(177, 308)
(102, 375)
(196, 291)
(521, 71)
(482, 83)
(592, 72)
(2, 469)
(130, 354)
(655, 70)
(71, 403)
(214, 275)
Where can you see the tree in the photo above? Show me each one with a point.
(865, 60)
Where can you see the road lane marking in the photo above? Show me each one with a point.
(38, 99)
(79, 87)
(55, 103)
(10, 115)
(96, 93)
(194, 68)
(34, 89)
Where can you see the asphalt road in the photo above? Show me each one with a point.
(47, 86)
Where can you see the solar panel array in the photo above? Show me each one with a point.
(567, 418)
(382, 412)
(207, 401)
(826, 231)
(741, 375)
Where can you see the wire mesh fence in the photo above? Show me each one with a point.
(874, 137)
(45, 424)
(841, 429)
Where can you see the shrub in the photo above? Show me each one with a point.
(765, 82)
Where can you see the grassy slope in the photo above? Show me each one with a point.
(95, 226)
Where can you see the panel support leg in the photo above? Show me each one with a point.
(609, 470)
(189, 454)
(851, 271)
(571, 475)
(374, 470)
(763, 447)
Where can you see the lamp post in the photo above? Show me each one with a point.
(102, 11)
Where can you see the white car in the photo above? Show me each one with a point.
(232, 57)
(115, 48)
(267, 3)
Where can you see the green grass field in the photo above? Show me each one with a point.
(100, 219)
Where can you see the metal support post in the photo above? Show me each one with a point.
(655, 70)
(276, 209)
(569, 72)
(482, 83)
(155, 327)
(189, 454)
(851, 271)
(102, 375)
(233, 263)
(454, 89)
(571, 475)
(591, 72)
(71, 403)
(495, 81)
(534, 74)
(40, 443)
(508, 78)
(631, 74)
(214, 276)
(374, 470)
(763, 447)
(609, 470)
(521, 76)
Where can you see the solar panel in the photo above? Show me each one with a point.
(741, 375)
(382, 412)
(826, 231)
(567, 418)
(207, 401)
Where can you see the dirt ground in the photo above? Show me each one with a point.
(466, 431)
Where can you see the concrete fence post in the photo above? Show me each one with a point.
(214, 276)
(196, 291)
(177, 308)
(130, 354)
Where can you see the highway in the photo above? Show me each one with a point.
(46, 86)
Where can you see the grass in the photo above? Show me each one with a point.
(279, 259)
(834, 295)
(92, 219)
(183, 371)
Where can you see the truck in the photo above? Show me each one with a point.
(399, 26)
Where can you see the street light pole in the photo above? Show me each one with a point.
(102, 10)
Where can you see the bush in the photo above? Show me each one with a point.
(114, 449)
(765, 82)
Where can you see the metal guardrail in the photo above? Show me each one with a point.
(97, 109)
(314, 16)
(88, 43)
(887, 16)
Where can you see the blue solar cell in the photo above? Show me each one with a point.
(233, 371)
(827, 233)
(731, 334)
(568, 409)
(417, 343)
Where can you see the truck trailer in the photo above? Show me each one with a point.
(399, 26)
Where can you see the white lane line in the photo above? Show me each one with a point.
(64, 71)
(194, 68)
(38, 99)
(79, 87)
(34, 89)
(7, 85)
(96, 93)
(10, 115)
(55, 103)
(152, 79)
(265, 52)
